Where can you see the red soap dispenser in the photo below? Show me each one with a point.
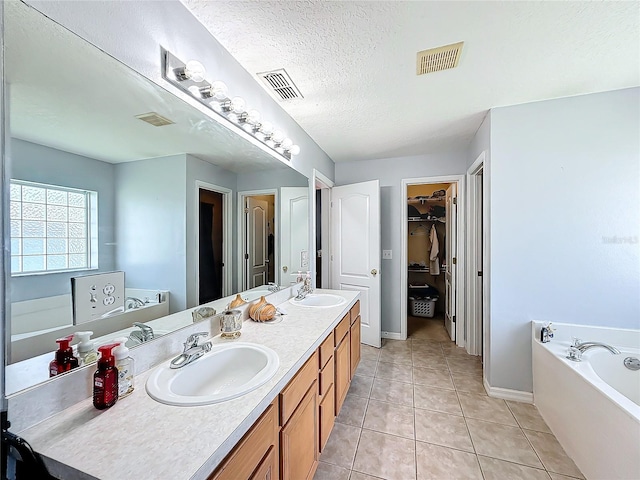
(64, 360)
(105, 380)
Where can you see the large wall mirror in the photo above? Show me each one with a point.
(112, 173)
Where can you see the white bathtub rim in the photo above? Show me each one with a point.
(585, 371)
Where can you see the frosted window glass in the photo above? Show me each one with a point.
(33, 229)
(33, 211)
(57, 213)
(56, 229)
(15, 247)
(16, 264)
(33, 194)
(16, 192)
(33, 263)
(77, 245)
(16, 228)
(56, 262)
(77, 200)
(77, 215)
(77, 230)
(15, 210)
(56, 245)
(77, 261)
(56, 197)
(33, 246)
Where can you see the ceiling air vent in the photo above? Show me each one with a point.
(280, 82)
(441, 58)
(154, 119)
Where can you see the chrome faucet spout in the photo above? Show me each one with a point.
(584, 346)
(192, 350)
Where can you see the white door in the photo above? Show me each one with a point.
(294, 233)
(256, 255)
(355, 246)
(450, 272)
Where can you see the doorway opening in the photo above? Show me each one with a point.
(213, 242)
(258, 233)
(431, 257)
(321, 229)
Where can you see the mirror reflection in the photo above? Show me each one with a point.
(112, 173)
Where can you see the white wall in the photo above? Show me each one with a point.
(151, 225)
(133, 32)
(37, 163)
(390, 172)
(565, 221)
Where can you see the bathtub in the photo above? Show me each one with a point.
(592, 406)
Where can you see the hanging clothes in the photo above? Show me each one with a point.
(434, 262)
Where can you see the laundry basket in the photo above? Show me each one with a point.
(423, 307)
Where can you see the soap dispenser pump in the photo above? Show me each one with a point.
(64, 360)
(124, 364)
(86, 348)
(105, 380)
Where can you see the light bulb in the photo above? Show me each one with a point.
(233, 117)
(194, 71)
(253, 117)
(278, 136)
(294, 150)
(237, 105)
(195, 91)
(286, 143)
(216, 106)
(219, 90)
(266, 128)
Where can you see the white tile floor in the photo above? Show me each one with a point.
(418, 410)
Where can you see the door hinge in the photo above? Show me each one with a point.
(246, 256)
(454, 319)
(479, 274)
(455, 200)
(454, 260)
(246, 210)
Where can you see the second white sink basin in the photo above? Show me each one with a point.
(227, 372)
(319, 300)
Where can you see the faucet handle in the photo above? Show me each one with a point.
(574, 354)
(192, 340)
(575, 342)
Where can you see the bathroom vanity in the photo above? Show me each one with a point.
(275, 431)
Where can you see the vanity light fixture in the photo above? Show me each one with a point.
(190, 78)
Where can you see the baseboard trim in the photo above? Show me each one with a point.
(392, 336)
(507, 394)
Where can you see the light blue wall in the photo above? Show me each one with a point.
(37, 163)
(391, 172)
(151, 225)
(564, 219)
(276, 178)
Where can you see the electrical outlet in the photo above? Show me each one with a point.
(108, 289)
(109, 300)
(386, 254)
(304, 259)
(93, 296)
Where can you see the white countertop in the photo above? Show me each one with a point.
(140, 438)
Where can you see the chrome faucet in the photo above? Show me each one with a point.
(133, 302)
(273, 287)
(306, 288)
(144, 334)
(192, 350)
(578, 347)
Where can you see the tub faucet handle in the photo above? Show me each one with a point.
(574, 354)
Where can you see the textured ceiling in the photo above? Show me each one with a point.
(355, 63)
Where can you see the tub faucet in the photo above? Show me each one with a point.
(579, 347)
(133, 302)
(192, 350)
(273, 287)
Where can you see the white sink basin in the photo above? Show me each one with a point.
(227, 372)
(322, 300)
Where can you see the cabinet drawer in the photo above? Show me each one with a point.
(293, 393)
(247, 455)
(326, 350)
(342, 329)
(327, 417)
(326, 377)
(355, 311)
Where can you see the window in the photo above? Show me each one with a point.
(53, 228)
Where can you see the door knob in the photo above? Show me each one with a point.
(374, 272)
(285, 268)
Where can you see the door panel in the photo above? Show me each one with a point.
(450, 272)
(294, 233)
(258, 261)
(355, 245)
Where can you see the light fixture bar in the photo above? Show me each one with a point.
(189, 77)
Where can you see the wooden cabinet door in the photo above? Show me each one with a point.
(268, 468)
(299, 440)
(355, 345)
(343, 371)
(327, 417)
